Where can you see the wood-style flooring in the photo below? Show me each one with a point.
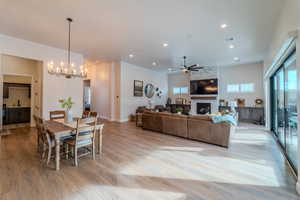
(142, 165)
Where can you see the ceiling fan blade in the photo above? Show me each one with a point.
(194, 70)
(197, 68)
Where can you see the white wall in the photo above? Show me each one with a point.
(101, 76)
(129, 73)
(288, 21)
(53, 87)
(178, 80)
(238, 74)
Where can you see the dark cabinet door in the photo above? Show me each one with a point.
(22, 116)
(17, 115)
(12, 115)
(4, 117)
(244, 114)
(5, 91)
(25, 115)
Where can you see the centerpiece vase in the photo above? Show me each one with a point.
(68, 117)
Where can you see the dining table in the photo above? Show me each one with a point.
(60, 129)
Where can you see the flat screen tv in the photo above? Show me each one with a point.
(204, 87)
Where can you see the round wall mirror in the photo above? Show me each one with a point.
(149, 90)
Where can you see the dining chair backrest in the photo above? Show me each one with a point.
(58, 114)
(84, 131)
(41, 127)
(94, 114)
(37, 124)
(86, 114)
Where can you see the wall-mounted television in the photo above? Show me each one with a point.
(204, 87)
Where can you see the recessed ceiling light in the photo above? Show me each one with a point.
(131, 55)
(224, 26)
(236, 59)
(165, 44)
(154, 64)
(231, 46)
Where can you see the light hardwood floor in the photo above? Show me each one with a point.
(141, 165)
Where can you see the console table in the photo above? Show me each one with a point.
(185, 107)
(254, 115)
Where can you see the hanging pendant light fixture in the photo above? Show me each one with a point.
(69, 70)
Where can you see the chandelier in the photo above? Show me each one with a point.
(68, 70)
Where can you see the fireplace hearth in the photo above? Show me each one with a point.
(203, 108)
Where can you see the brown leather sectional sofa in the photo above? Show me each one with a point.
(195, 127)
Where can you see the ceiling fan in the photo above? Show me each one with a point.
(192, 68)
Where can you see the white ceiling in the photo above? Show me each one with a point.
(113, 29)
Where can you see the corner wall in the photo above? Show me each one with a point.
(129, 73)
(112, 88)
(54, 87)
(239, 74)
(103, 89)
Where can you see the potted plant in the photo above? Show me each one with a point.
(179, 110)
(67, 105)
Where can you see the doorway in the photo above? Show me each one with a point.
(22, 91)
(86, 95)
(16, 101)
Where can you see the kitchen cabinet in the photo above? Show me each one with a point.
(254, 115)
(5, 91)
(6, 87)
(16, 115)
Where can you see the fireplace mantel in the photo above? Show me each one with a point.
(204, 97)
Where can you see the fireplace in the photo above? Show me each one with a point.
(203, 108)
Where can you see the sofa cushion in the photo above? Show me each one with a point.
(200, 117)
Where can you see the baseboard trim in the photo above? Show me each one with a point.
(123, 120)
(114, 120)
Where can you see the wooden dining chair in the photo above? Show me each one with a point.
(46, 141)
(94, 114)
(85, 114)
(58, 114)
(39, 133)
(84, 138)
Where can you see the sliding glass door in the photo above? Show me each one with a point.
(284, 108)
(291, 135)
(280, 107)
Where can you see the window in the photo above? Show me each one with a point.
(176, 91)
(231, 88)
(184, 90)
(243, 88)
(247, 87)
(180, 91)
